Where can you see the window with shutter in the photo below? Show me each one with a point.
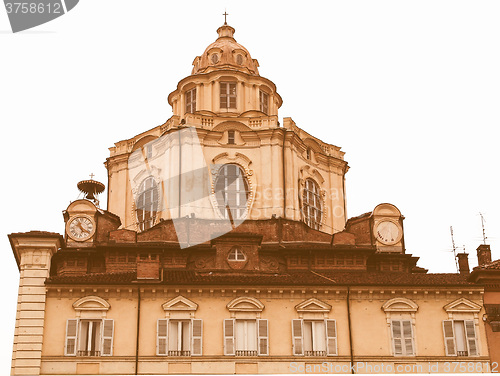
(197, 337)
(161, 337)
(331, 337)
(107, 337)
(402, 337)
(297, 337)
(263, 337)
(460, 338)
(71, 330)
(449, 337)
(229, 337)
(179, 338)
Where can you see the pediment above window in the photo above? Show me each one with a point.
(91, 306)
(180, 303)
(245, 304)
(313, 307)
(400, 305)
(462, 305)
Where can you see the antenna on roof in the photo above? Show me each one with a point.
(482, 225)
(454, 249)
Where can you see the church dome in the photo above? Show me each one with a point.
(225, 53)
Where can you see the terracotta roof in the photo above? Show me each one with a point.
(290, 278)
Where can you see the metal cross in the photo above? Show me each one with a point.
(92, 176)
(225, 14)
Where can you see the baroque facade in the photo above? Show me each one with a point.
(225, 248)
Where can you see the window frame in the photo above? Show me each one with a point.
(263, 101)
(145, 221)
(471, 340)
(329, 326)
(239, 211)
(195, 337)
(228, 94)
(312, 211)
(260, 336)
(190, 100)
(403, 338)
(104, 339)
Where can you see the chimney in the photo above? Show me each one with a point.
(463, 263)
(483, 254)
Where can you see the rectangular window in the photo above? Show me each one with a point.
(460, 337)
(191, 101)
(230, 137)
(246, 337)
(179, 337)
(314, 337)
(89, 337)
(227, 95)
(402, 337)
(264, 101)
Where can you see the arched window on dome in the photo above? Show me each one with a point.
(147, 203)
(312, 210)
(231, 191)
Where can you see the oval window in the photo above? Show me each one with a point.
(215, 59)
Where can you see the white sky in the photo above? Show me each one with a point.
(409, 89)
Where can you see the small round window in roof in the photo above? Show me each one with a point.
(215, 59)
(239, 59)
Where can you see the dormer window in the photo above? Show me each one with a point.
(236, 254)
(215, 58)
(191, 101)
(230, 137)
(264, 101)
(227, 95)
(239, 59)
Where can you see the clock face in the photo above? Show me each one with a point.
(388, 233)
(80, 228)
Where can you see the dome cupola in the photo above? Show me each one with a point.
(225, 53)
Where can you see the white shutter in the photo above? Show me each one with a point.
(331, 337)
(397, 337)
(161, 337)
(107, 337)
(470, 333)
(70, 343)
(298, 348)
(229, 337)
(263, 336)
(449, 337)
(408, 337)
(197, 338)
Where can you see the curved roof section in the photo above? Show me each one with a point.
(225, 53)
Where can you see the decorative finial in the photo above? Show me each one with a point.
(225, 14)
(92, 176)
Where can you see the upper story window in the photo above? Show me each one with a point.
(227, 95)
(93, 334)
(460, 337)
(191, 101)
(246, 334)
(215, 58)
(180, 334)
(264, 101)
(236, 254)
(231, 191)
(314, 337)
(402, 337)
(311, 204)
(239, 59)
(147, 203)
(230, 137)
